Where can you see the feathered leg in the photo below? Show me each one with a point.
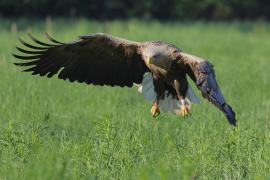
(181, 87)
(160, 92)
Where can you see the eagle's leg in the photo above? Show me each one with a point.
(160, 92)
(155, 110)
(181, 87)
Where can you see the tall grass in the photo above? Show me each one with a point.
(52, 129)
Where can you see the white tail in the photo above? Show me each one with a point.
(169, 103)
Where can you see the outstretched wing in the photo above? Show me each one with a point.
(203, 74)
(98, 59)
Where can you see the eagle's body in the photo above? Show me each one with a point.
(102, 59)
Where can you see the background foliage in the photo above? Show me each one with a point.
(162, 9)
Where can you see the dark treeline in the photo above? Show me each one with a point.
(152, 9)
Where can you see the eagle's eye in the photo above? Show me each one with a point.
(155, 56)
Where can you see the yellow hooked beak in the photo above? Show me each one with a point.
(149, 61)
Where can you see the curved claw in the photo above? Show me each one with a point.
(185, 111)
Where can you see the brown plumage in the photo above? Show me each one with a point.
(102, 59)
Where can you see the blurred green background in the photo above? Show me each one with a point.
(148, 9)
(53, 129)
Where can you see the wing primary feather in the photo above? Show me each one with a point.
(230, 114)
(52, 39)
(44, 68)
(39, 42)
(27, 64)
(31, 46)
(29, 52)
(30, 69)
(27, 57)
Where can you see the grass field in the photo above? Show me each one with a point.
(52, 129)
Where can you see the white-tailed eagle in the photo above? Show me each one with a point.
(159, 68)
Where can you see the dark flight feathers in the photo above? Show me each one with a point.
(206, 82)
(96, 59)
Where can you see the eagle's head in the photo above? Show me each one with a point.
(157, 57)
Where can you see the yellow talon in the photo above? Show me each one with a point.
(155, 111)
(185, 111)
